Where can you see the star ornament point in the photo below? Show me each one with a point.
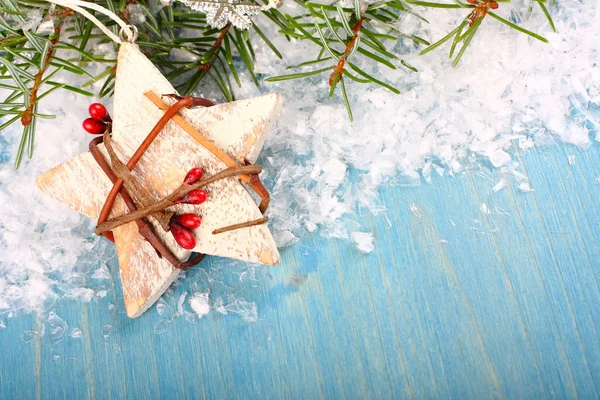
(238, 128)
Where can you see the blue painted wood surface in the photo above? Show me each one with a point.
(451, 304)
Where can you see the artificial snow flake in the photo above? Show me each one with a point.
(220, 12)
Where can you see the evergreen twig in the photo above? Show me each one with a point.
(348, 41)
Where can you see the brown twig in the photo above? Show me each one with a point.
(144, 227)
(27, 113)
(247, 224)
(338, 70)
(481, 9)
(132, 185)
(215, 47)
(183, 102)
(252, 180)
(175, 195)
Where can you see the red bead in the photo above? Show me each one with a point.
(93, 126)
(184, 237)
(196, 196)
(98, 112)
(193, 176)
(190, 221)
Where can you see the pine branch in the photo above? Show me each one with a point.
(479, 10)
(354, 30)
(191, 47)
(215, 52)
(48, 52)
(30, 61)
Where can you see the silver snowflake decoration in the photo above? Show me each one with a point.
(220, 12)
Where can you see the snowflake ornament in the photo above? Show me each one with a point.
(221, 12)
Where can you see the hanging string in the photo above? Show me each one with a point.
(128, 33)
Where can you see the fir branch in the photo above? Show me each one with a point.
(27, 115)
(331, 26)
(30, 74)
(348, 41)
(480, 9)
(351, 46)
(214, 50)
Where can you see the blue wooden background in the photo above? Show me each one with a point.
(505, 305)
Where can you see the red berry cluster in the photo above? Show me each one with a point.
(98, 121)
(181, 225)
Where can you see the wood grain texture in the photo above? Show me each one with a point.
(452, 303)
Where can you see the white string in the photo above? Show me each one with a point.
(80, 6)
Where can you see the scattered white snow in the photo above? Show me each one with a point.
(510, 92)
(415, 210)
(106, 329)
(180, 304)
(76, 333)
(237, 305)
(200, 304)
(161, 326)
(53, 329)
(364, 241)
(28, 336)
(484, 209)
(82, 293)
(101, 273)
(161, 306)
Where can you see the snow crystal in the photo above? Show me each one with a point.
(414, 208)
(101, 273)
(82, 293)
(180, 304)
(334, 171)
(53, 329)
(310, 226)
(106, 331)
(28, 336)
(364, 241)
(484, 209)
(161, 326)
(161, 306)
(246, 310)
(502, 183)
(199, 303)
(525, 187)
(76, 333)
(285, 238)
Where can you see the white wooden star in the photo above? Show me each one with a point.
(239, 128)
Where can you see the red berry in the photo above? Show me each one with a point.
(196, 196)
(98, 112)
(493, 5)
(190, 221)
(93, 126)
(193, 176)
(183, 236)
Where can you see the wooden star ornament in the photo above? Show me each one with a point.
(238, 129)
